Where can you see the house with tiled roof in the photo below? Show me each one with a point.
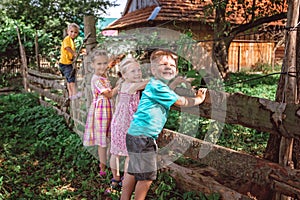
(246, 50)
(102, 23)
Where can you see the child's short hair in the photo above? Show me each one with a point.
(126, 63)
(73, 25)
(98, 52)
(162, 52)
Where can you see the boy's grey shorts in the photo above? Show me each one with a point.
(142, 153)
(66, 71)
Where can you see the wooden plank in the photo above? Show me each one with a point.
(203, 180)
(54, 84)
(45, 75)
(252, 112)
(239, 166)
(56, 98)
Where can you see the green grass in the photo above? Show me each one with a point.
(41, 158)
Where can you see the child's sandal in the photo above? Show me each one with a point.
(102, 173)
(121, 181)
(114, 186)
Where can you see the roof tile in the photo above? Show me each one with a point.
(193, 11)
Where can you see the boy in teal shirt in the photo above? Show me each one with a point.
(148, 122)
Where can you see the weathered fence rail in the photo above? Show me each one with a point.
(232, 174)
(247, 173)
(45, 84)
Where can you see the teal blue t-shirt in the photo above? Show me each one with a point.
(153, 109)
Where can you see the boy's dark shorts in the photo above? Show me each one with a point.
(66, 71)
(142, 153)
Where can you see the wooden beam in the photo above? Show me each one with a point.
(239, 166)
(54, 84)
(44, 75)
(252, 112)
(203, 180)
(56, 98)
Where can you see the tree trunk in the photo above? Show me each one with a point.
(287, 93)
(221, 41)
(220, 56)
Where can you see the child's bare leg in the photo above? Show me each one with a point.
(128, 185)
(114, 165)
(72, 89)
(141, 189)
(69, 90)
(102, 157)
(126, 164)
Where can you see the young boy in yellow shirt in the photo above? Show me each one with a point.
(68, 53)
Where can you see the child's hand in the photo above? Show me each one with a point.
(201, 92)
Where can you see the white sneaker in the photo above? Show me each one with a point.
(76, 96)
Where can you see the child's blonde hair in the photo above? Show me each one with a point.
(162, 52)
(73, 25)
(98, 52)
(126, 63)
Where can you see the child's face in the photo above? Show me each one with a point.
(73, 32)
(164, 68)
(133, 73)
(100, 65)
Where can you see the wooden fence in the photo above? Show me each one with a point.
(232, 174)
(243, 56)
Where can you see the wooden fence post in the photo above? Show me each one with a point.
(36, 44)
(24, 61)
(288, 86)
(89, 27)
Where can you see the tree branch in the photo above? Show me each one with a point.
(258, 22)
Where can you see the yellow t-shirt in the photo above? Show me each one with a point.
(65, 56)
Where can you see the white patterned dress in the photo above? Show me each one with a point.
(126, 107)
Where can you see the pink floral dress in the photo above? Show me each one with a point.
(126, 107)
(98, 122)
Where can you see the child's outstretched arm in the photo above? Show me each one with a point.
(192, 101)
(111, 93)
(137, 86)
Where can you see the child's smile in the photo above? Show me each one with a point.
(100, 65)
(133, 73)
(73, 32)
(165, 69)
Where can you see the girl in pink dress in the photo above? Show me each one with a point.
(97, 129)
(127, 102)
